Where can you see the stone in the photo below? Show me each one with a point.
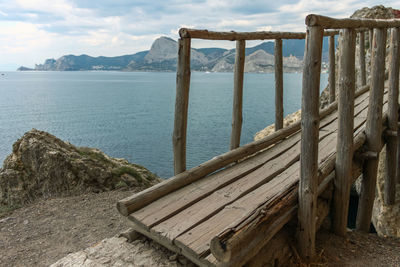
(41, 165)
(116, 251)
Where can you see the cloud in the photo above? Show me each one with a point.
(33, 30)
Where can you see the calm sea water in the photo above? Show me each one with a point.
(130, 114)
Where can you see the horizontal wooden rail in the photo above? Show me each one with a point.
(332, 23)
(135, 202)
(233, 36)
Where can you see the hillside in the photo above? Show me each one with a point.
(162, 56)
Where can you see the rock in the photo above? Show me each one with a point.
(386, 219)
(117, 252)
(42, 165)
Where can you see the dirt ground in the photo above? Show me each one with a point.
(355, 250)
(43, 232)
(48, 230)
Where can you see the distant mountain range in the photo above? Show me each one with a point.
(163, 57)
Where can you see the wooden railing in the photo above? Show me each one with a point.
(183, 82)
(308, 190)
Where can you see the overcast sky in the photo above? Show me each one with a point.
(33, 30)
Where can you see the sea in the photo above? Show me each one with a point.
(131, 114)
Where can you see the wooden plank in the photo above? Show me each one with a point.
(278, 84)
(391, 146)
(373, 131)
(332, 70)
(181, 105)
(207, 207)
(198, 239)
(344, 149)
(332, 23)
(238, 94)
(171, 204)
(363, 75)
(309, 143)
(130, 204)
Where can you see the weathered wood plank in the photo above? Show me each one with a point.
(198, 239)
(181, 105)
(309, 143)
(344, 149)
(373, 130)
(238, 94)
(278, 84)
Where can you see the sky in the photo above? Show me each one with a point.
(34, 30)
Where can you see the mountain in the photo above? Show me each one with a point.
(162, 56)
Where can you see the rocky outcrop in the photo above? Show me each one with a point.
(112, 252)
(42, 165)
(386, 219)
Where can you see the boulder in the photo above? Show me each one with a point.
(41, 165)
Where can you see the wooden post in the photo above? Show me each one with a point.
(370, 35)
(181, 105)
(393, 107)
(332, 70)
(363, 76)
(309, 142)
(278, 85)
(373, 130)
(238, 94)
(344, 148)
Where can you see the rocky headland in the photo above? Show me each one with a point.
(162, 56)
(43, 166)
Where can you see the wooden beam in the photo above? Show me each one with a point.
(278, 84)
(393, 108)
(373, 130)
(344, 148)
(332, 23)
(233, 36)
(332, 70)
(181, 105)
(309, 142)
(238, 94)
(363, 77)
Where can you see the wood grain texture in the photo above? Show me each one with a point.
(332, 23)
(373, 131)
(278, 61)
(363, 75)
(238, 94)
(332, 70)
(181, 105)
(391, 146)
(309, 143)
(344, 149)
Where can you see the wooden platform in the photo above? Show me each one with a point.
(186, 220)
